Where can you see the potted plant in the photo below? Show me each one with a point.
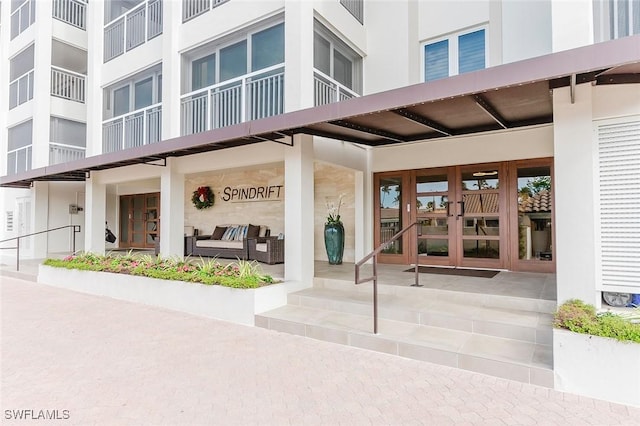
(334, 232)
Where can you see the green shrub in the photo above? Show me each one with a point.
(577, 316)
(240, 274)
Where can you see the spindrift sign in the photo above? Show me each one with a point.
(253, 193)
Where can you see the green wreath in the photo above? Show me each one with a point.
(202, 198)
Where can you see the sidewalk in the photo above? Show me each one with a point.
(109, 362)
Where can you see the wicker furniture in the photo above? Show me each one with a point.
(216, 248)
(268, 250)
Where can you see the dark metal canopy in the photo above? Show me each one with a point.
(502, 97)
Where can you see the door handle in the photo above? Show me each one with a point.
(449, 208)
(461, 208)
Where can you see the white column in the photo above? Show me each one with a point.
(298, 61)
(572, 24)
(299, 212)
(40, 219)
(42, 86)
(95, 216)
(574, 195)
(171, 211)
(95, 37)
(172, 20)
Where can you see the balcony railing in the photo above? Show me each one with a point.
(67, 84)
(133, 29)
(23, 17)
(327, 90)
(250, 97)
(19, 160)
(73, 12)
(193, 8)
(137, 128)
(355, 7)
(21, 90)
(61, 153)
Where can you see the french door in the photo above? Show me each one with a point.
(468, 216)
(139, 220)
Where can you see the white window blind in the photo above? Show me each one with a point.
(619, 207)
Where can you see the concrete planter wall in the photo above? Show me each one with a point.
(212, 301)
(597, 367)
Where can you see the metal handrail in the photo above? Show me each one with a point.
(76, 229)
(374, 254)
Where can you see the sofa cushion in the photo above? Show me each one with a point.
(218, 232)
(229, 233)
(222, 244)
(253, 231)
(264, 231)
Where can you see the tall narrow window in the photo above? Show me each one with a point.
(233, 61)
(203, 72)
(436, 63)
(471, 55)
(267, 48)
(143, 96)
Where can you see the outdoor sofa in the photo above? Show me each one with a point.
(226, 241)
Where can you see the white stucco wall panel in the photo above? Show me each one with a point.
(133, 61)
(616, 100)
(574, 165)
(438, 17)
(340, 153)
(61, 195)
(572, 24)
(483, 148)
(526, 29)
(68, 109)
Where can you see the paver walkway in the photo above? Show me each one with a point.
(110, 362)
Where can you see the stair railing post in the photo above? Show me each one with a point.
(18, 254)
(375, 294)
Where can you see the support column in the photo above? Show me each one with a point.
(42, 86)
(299, 213)
(298, 59)
(574, 186)
(95, 216)
(172, 15)
(95, 62)
(40, 219)
(171, 211)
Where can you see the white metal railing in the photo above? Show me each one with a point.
(61, 153)
(133, 29)
(19, 160)
(67, 84)
(193, 8)
(137, 128)
(73, 12)
(253, 96)
(23, 17)
(355, 7)
(21, 89)
(326, 90)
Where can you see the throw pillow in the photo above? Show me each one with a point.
(218, 232)
(253, 231)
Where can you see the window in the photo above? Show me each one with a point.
(19, 148)
(137, 93)
(254, 52)
(9, 223)
(616, 18)
(68, 132)
(456, 54)
(21, 77)
(335, 59)
(23, 14)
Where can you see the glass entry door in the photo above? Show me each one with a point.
(139, 220)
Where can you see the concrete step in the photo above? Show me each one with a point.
(416, 307)
(502, 336)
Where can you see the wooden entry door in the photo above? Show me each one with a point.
(139, 220)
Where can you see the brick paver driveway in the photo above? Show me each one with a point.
(91, 360)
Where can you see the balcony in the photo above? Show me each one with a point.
(73, 12)
(137, 128)
(61, 153)
(253, 96)
(193, 8)
(67, 85)
(133, 29)
(19, 160)
(326, 90)
(355, 7)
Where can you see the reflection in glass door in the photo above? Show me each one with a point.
(390, 215)
(433, 214)
(479, 215)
